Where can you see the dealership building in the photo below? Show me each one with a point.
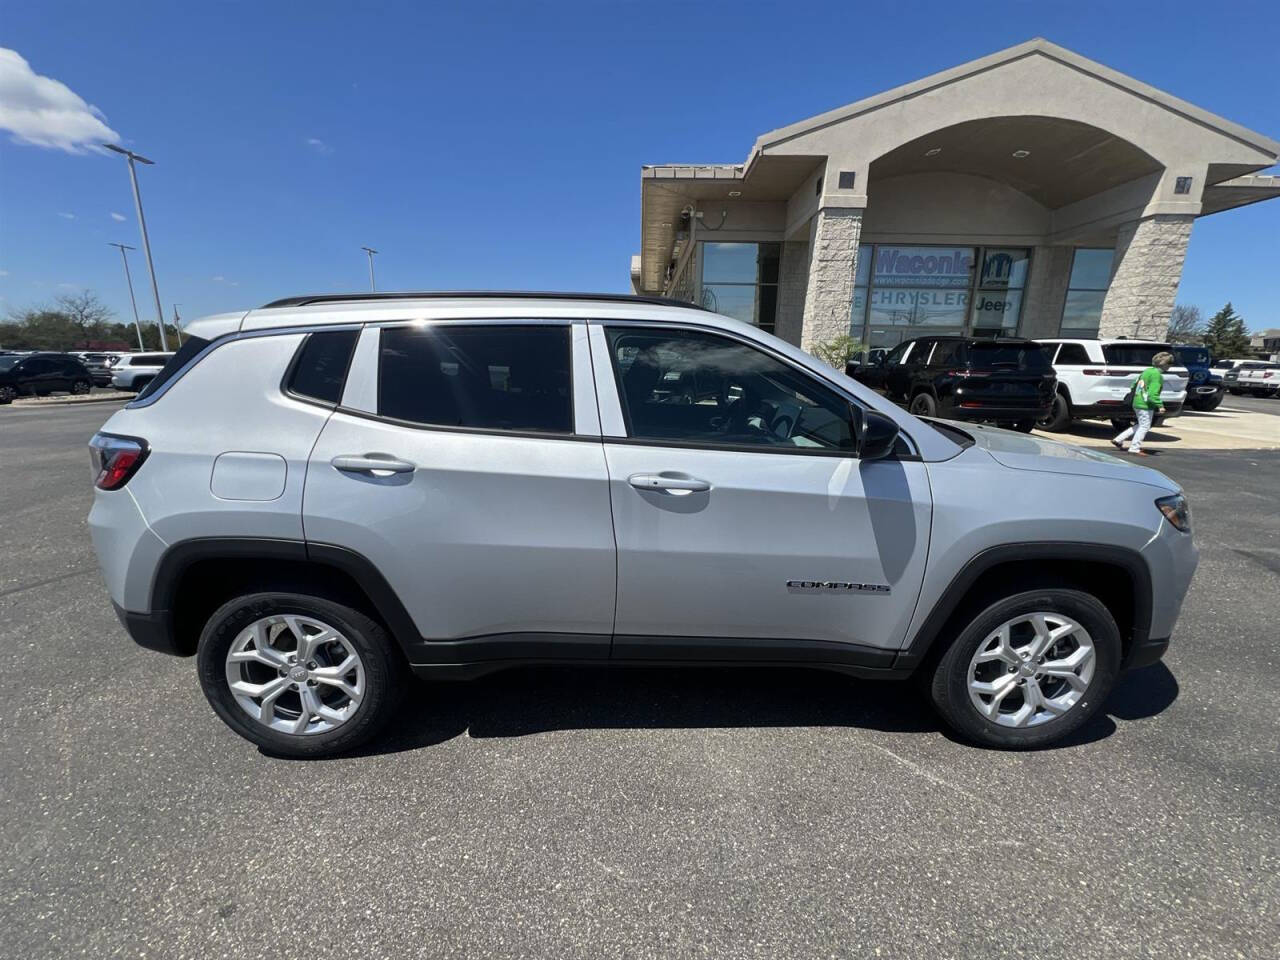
(1031, 192)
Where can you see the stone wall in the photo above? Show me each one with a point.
(1145, 276)
(832, 263)
(793, 277)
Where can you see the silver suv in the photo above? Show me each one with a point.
(322, 495)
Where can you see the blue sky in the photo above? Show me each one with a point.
(495, 144)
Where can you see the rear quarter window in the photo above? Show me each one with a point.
(319, 370)
(1008, 356)
(1132, 355)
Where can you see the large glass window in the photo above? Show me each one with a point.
(495, 377)
(740, 280)
(321, 367)
(902, 292)
(1090, 277)
(692, 387)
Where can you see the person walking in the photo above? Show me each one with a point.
(1146, 403)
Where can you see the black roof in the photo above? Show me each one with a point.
(309, 299)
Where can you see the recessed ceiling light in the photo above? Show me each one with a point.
(933, 151)
(735, 193)
(1021, 153)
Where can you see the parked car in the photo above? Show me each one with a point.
(1094, 377)
(1005, 381)
(1205, 389)
(41, 374)
(322, 494)
(1261, 378)
(134, 371)
(99, 365)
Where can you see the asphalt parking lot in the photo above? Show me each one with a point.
(631, 813)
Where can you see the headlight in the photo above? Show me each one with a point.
(1177, 511)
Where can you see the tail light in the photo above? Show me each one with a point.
(115, 459)
(1096, 373)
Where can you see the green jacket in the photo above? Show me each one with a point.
(1146, 395)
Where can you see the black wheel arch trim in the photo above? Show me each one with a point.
(1036, 552)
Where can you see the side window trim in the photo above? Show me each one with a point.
(360, 392)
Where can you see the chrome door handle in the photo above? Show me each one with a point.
(376, 463)
(656, 481)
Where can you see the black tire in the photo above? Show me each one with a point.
(1205, 405)
(1024, 426)
(80, 387)
(384, 672)
(1059, 418)
(924, 405)
(949, 684)
(7, 394)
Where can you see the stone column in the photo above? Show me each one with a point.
(1145, 276)
(1046, 292)
(793, 278)
(833, 261)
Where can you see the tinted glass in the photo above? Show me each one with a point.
(172, 364)
(1073, 353)
(490, 377)
(71, 365)
(8, 363)
(1008, 356)
(947, 353)
(1091, 268)
(1188, 356)
(37, 365)
(683, 385)
(321, 367)
(1132, 355)
(154, 359)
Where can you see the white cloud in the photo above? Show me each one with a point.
(66, 286)
(319, 146)
(4, 273)
(221, 279)
(118, 217)
(67, 216)
(43, 112)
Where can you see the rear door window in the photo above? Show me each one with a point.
(513, 377)
(947, 353)
(1072, 353)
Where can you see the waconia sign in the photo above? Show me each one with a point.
(923, 266)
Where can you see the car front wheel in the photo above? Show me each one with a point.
(80, 387)
(7, 394)
(298, 675)
(1028, 670)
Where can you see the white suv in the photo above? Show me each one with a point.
(134, 371)
(1094, 377)
(1258, 377)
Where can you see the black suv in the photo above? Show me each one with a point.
(41, 374)
(1007, 381)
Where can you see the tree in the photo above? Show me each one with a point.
(836, 352)
(1225, 335)
(1186, 324)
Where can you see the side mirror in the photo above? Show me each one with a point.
(851, 368)
(877, 436)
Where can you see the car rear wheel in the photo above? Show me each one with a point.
(1028, 670)
(924, 405)
(80, 387)
(1059, 418)
(1024, 426)
(297, 675)
(7, 394)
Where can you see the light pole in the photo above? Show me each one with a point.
(177, 324)
(142, 224)
(129, 280)
(370, 251)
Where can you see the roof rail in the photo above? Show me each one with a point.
(310, 299)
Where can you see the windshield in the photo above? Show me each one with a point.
(1008, 356)
(8, 363)
(1192, 356)
(1133, 354)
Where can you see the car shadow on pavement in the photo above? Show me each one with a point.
(531, 700)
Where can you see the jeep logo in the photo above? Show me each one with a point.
(835, 586)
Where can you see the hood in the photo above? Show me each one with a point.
(1021, 451)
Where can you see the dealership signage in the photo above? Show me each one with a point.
(923, 266)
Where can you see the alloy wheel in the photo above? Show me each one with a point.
(295, 674)
(1031, 669)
